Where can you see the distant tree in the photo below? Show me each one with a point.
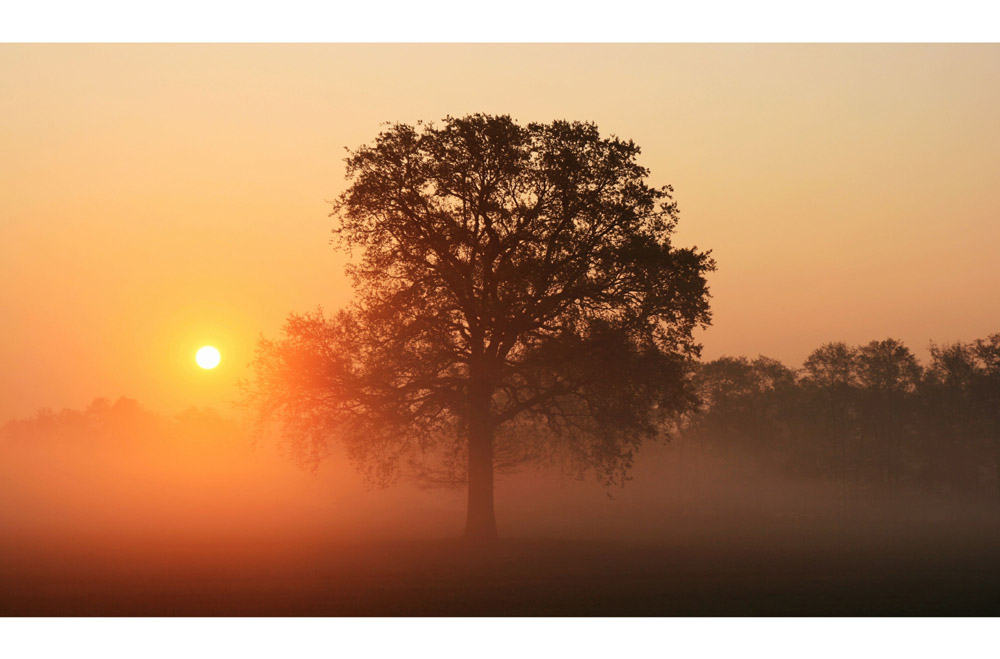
(888, 375)
(517, 296)
(102, 425)
(986, 394)
(831, 366)
(746, 405)
(726, 388)
(829, 382)
(952, 430)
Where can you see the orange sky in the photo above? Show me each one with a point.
(157, 198)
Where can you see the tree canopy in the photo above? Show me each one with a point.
(871, 417)
(517, 297)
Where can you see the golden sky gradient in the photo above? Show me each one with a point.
(157, 198)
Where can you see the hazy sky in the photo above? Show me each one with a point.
(157, 198)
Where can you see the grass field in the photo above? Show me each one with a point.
(786, 570)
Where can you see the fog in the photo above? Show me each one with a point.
(116, 469)
(102, 506)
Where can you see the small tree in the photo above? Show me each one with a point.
(517, 297)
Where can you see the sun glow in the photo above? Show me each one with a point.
(208, 357)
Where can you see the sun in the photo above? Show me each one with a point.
(208, 357)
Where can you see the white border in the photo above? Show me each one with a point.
(496, 638)
(509, 20)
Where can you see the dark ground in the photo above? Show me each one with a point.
(788, 570)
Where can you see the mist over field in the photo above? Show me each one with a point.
(117, 510)
(116, 470)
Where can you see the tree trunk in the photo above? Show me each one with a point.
(481, 523)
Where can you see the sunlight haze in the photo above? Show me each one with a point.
(158, 198)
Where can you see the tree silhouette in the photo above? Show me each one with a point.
(987, 394)
(830, 394)
(868, 417)
(888, 374)
(961, 421)
(951, 430)
(517, 297)
(746, 405)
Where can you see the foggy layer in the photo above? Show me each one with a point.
(115, 472)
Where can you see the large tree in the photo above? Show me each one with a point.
(517, 297)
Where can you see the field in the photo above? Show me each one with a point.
(783, 570)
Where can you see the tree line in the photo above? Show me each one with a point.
(869, 417)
